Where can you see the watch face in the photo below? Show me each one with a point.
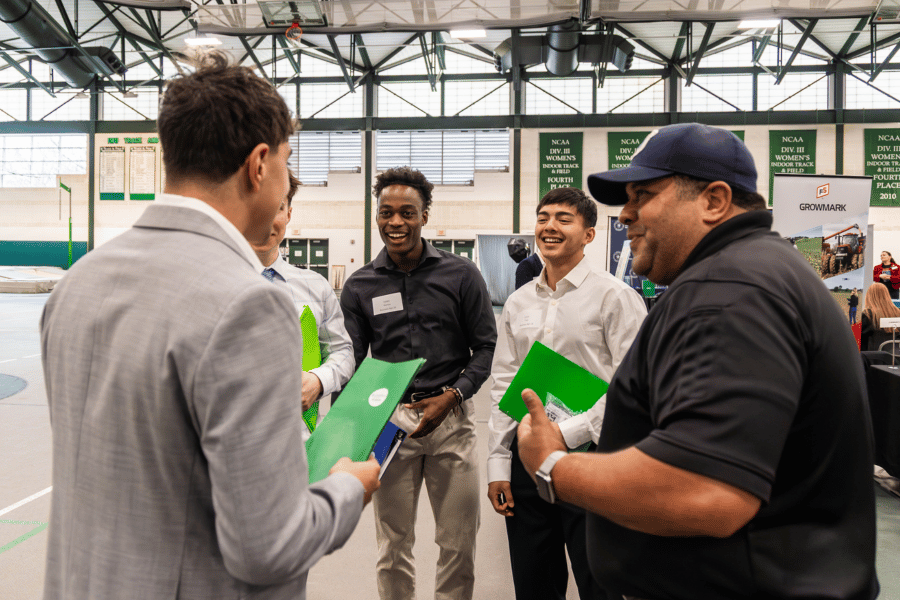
(545, 488)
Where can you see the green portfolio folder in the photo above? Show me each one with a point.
(312, 358)
(356, 419)
(565, 386)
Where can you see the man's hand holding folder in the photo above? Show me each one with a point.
(366, 472)
(538, 435)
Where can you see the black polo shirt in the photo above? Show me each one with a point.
(747, 372)
(440, 311)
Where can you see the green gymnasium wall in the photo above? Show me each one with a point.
(40, 254)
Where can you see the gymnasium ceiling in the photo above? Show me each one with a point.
(368, 35)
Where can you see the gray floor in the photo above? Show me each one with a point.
(348, 573)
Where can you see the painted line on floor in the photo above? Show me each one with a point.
(32, 355)
(21, 539)
(25, 501)
(8, 522)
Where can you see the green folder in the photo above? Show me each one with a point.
(558, 382)
(355, 421)
(312, 358)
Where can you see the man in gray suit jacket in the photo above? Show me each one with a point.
(173, 375)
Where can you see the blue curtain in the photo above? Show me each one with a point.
(497, 268)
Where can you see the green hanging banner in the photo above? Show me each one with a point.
(621, 146)
(882, 148)
(560, 161)
(791, 152)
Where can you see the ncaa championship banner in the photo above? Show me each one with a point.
(826, 217)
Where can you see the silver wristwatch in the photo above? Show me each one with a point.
(544, 481)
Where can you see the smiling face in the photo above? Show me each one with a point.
(663, 226)
(885, 258)
(561, 233)
(400, 220)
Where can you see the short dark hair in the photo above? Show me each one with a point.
(405, 176)
(691, 186)
(210, 120)
(294, 185)
(575, 198)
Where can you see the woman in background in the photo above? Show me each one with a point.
(876, 306)
(888, 273)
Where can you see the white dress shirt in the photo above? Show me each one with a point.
(591, 319)
(308, 288)
(228, 226)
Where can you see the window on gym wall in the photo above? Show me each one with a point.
(138, 105)
(797, 91)
(408, 99)
(877, 95)
(13, 105)
(446, 157)
(36, 160)
(330, 101)
(461, 63)
(559, 96)
(718, 93)
(288, 91)
(317, 153)
(631, 95)
(68, 105)
(408, 61)
(476, 98)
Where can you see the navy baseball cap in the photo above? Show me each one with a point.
(691, 149)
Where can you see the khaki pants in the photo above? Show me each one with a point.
(446, 460)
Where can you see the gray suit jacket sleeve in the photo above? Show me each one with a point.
(271, 527)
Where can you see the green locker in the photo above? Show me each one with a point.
(298, 252)
(465, 248)
(318, 253)
(443, 245)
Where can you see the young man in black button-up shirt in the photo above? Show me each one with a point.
(415, 301)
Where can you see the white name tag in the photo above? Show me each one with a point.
(528, 318)
(387, 304)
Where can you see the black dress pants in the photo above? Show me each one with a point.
(539, 534)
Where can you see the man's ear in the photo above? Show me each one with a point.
(589, 235)
(424, 217)
(716, 203)
(255, 166)
(290, 209)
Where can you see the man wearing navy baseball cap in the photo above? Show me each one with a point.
(735, 457)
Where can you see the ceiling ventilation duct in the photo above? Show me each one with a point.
(563, 48)
(31, 22)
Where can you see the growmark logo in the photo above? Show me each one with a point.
(378, 397)
(823, 190)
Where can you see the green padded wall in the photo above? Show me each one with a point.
(40, 254)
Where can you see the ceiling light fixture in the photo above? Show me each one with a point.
(765, 24)
(461, 34)
(202, 41)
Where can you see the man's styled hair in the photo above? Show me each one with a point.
(691, 186)
(575, 198)
(210, 120)
(294, 185)
(405, 176)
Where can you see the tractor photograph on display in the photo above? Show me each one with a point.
(844, 253)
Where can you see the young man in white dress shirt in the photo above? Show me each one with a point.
(308, 288)
(591, 318)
